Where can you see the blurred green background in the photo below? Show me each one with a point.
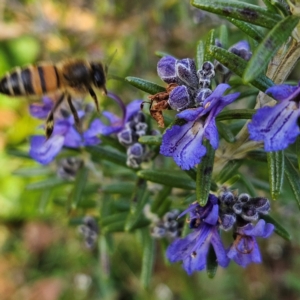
(41, 255)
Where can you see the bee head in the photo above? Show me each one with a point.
(98, 75)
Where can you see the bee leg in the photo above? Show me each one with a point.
(50, 118)
(74, 113)
(94, 96)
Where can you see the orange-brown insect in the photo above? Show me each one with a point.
(72, 77)
(159, 102)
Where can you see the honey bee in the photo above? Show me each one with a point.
(71, 77)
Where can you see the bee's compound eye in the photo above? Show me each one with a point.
(98, 75)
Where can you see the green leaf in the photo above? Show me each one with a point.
(212, 262)
(145, 85)
(228, 171)
(169, 178)
(249, 29)
(204, 173)
(293, 178)
(269, 46)
(148, 259)
(223, 36)
(232, 180)
(276, 172)
(298, 150)
(32, 171)
(114, 227)
(109, 154)
(237, 65)
(210, 40)
(114, 218)
(162, 54)
(225, 132)
(200, 54)
(139, 199)
(279, 229)
(160, 198)
(80, 182)
(236, 114)
(123, 188)
(281, 6)
(239, 10)
(151, 140)
(48, 183)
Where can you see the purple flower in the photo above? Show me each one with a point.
(64, 135)
(277, 126)
(245, 250)
(193, 249)
(184, 142)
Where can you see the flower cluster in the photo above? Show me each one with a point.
(129, 128)
(169, 226)
(199, 106)
(228, 211)
(277, 126)
(90, 230)
(67, 168)
(64, 134)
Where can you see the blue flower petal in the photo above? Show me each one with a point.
(41, 111)
(282, 91)
(186, 71)
(211, 133)
(179, 98)
(276, 126)
(184, 144)
(132, 109)
(44, 151)
(166, 69)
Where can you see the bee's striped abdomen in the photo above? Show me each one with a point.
(32, 80)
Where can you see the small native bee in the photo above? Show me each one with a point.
(71, 77)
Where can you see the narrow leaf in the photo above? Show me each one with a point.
(204, 173)
(279, 229)
(33, 171)
(225, 132)
(145, 85)
(239, 10)
(200, 54)
(114, 227)
(228, 171)
(114, 218)
(249, 29)
(232, 180)
(148, 259)
(210, 40)
(212, 262)
(236, 114)
(49, 183)
(269, 46)
(298, 151)
(151, 140)
(160, 198)
(276, 172)
(223, 36)
(139, 199)
(172, 179)
(106, 153)
(80, 182)
(237, 65)
(123, 188)
(293, 178)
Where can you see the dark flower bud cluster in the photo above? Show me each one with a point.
(169, 226)
(90, 230)
(134, 128)
(240, 210)
(227, 211)
(68, 167)
(193, 85)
